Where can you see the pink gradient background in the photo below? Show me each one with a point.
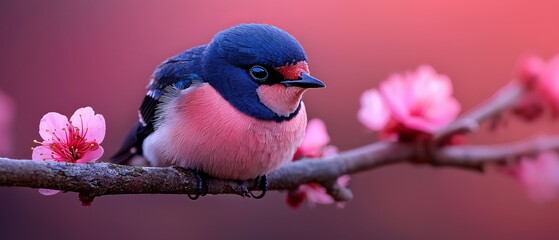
(61, 55)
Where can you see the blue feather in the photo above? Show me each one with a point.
(236, 48)
(249, 44)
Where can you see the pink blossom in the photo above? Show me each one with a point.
(529, 68)
(540, 176)
(76, 140)
(416, 102)
(373, 113)
(315, 140)
(543, 78)
(314, 193)
(6, 121)
(314, 145)
(549, 80)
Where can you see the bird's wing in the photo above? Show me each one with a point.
(178, 71)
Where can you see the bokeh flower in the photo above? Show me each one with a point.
(539, 175)
(543, 79)
(6, 121)
(315, 142)
(76, 140)
(408, 105)
(549, 80)
(314, 145)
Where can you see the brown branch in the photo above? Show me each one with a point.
(96, 179)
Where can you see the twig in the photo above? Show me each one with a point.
(504, 153)
(506, 98)
(339, 193)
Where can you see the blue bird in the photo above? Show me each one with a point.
(231, 109)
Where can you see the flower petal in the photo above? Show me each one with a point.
(550, 80)
(41, 153)
(427, 84)
(540, 176)
(316, 137)
(316, 194)
(343, 180)
(329, 150)
(395, 92)
(86, 119)
(7, 116)
(444, 113)
(418, 123)
(48, 192)
(436, 117)
(92, 155)
(51, 126)
(295, 198)
(374, 114)
(529, 67)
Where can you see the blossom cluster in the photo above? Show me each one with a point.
(409, 106)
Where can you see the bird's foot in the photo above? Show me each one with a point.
(260, 183)
(201, 182)
(201, 185)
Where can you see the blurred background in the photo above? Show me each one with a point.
(62, 55)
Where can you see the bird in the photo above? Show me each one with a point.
(230, 109)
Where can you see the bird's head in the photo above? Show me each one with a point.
(259, 69)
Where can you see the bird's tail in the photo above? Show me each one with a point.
(131, 146)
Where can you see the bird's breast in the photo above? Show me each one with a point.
(202, 130)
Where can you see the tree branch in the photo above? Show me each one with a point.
(506, 98)
(97, 179)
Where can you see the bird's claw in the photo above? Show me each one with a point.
(261, 183)
(201, 183)
(199, 186)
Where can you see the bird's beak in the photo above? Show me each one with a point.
(306, 81)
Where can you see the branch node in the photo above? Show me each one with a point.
(338, 192)
(86, 199)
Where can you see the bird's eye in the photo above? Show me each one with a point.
(258, 73)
